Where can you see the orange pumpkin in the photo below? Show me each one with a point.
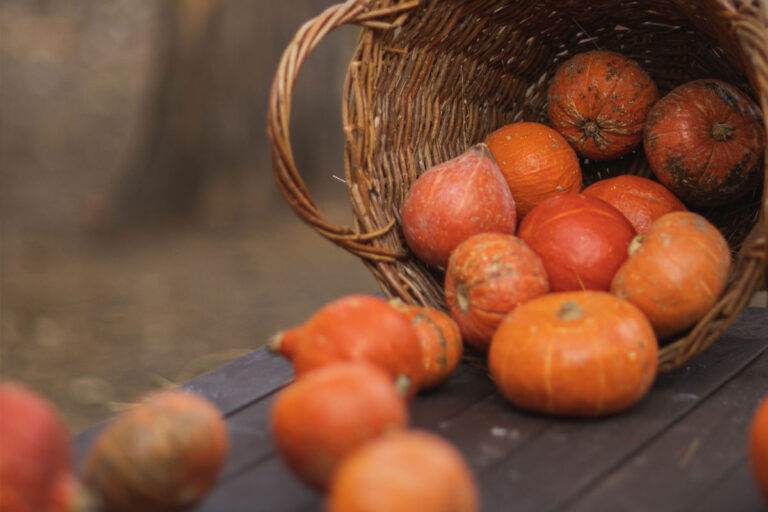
(675, 272)
(758, 446)
(641, 200)
(582, 353)
(163, 455)
(489, 275)
(35, 453)
(441, 344)
(705, 141)
(599, 100)
(360, 327)
(536, 161)
(321, 417)
(404, 471)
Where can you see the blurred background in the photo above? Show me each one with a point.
(144, 240)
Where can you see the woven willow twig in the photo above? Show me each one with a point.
(431, 77)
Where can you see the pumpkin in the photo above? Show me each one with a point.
(35, 453)
(598, 100)
(675, 272)
(440, 338)
(582, 354)
(404, 471)
(454, 200)
(536, 161)
(360, 327)
(705, 142)
(163, 455)
(758, 446)
(581, 240)
(641, 200)
(324, 415)
(489, 275)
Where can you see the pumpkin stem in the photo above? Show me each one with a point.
(570, 310)
(403, 385)
(590, 129)
(635, 244)
(721, 131)
(275, 342)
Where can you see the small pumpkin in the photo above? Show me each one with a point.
(35, 453)
(441, 343)
(581, 240)
(583, 354)
(705, 142)
(537, 163)
(404, 471)
(641, 200)
(323, 416)
(359, 327)
(758, 446)
(675, 272)
(489, 275)
(163, 455)
(598, 100)
(454, 200)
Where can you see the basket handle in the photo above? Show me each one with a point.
(288, 179)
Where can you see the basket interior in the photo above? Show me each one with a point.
(457, 70)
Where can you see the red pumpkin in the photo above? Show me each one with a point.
(599, 100)
(360, 327)
(581, 240)
(675, 272)
(161, 456)
(455, 200)
(640, 200)
(580, 353)
(404, 471)
(488, 276)
(536, 161)
(705, 142)
(758, 446)
(327, 413)
(441, 344)
(35, 453)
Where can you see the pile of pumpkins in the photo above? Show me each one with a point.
(567, 291)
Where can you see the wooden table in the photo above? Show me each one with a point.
(683, 448)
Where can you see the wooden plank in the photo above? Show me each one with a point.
(691, 457)
(735, 492)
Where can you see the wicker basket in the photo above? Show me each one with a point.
(431, 77)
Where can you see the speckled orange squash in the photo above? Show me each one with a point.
(675, 272)
(536, 161)
(598, 100)
(441, 343)
(163, 455)
(405, 471)
(488, 276)
(327, 413)
(580, 353)
(641, 200)
(705, 142)
(758, 446)
(359, 327)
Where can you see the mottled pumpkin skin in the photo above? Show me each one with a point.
(675, 272)
(582, 354)
(705, 142)
(581, 240)
(360, 327)
(488, 276)
(35, 452)
(161, 456)
(441, 343)
(599, 100)
(454, 200)
(641, 200)
(758, 446)
(327, 413)
(405, 471)
(536, 161)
